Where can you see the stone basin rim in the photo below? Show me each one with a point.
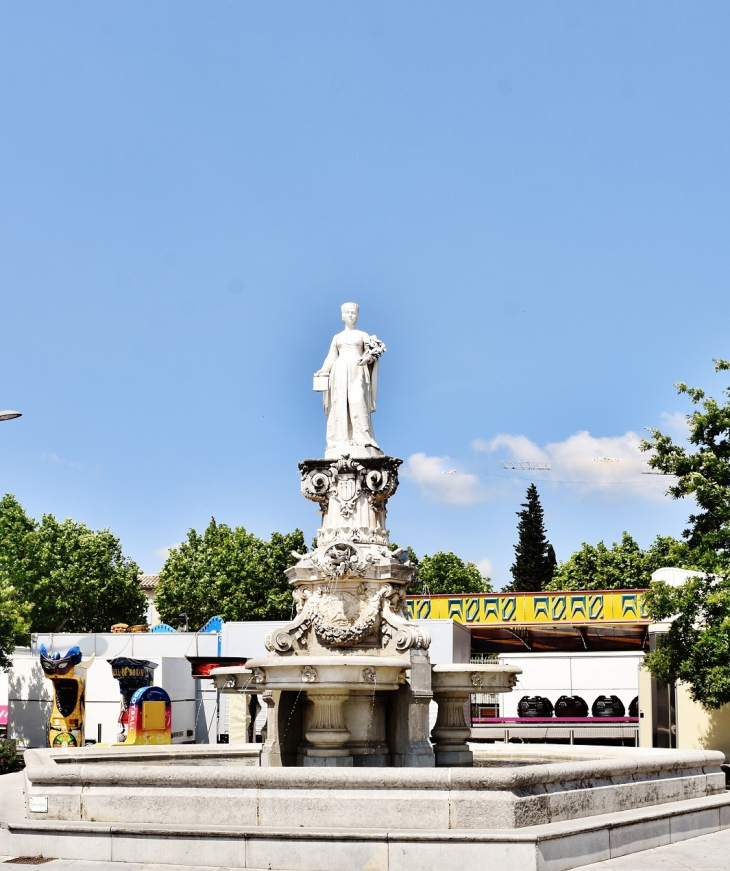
(43, 769)
(488, 668)
(329, 660)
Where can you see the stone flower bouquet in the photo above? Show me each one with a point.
(374, 348)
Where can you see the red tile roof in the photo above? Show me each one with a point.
(148, 582)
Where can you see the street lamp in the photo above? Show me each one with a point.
(9, 415)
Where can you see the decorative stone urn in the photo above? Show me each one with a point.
(453, 686)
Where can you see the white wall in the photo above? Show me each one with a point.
(29, 699)
(450, 641)
(247, 637)
(140, 645)
(581, 674)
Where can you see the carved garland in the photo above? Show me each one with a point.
(345, 636)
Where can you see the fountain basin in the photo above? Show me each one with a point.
(474, 678)
(87, 784)
(315, 674)
(334, 704)
(572, 806)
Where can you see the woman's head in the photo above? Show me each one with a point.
(350, 311)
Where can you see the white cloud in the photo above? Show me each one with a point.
(519, 446)
(164, 552)
(676, 422)
(485, 566)
(455, 488)
(612, 464)
(59, 461)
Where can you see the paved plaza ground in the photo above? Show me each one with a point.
(708, 853)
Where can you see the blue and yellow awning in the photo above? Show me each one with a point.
(534, 609)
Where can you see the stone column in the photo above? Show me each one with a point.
(283, 728)
(408, 721)
(365, 720)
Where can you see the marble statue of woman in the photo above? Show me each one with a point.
(349, 381)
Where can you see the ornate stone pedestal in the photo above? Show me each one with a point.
(350, 595)
(408, 727)
(350, 590)
(452, 687)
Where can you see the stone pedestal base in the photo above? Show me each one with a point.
(327, 762)
(456, 757)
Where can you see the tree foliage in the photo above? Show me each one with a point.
(534, 558)
(14, 623)
(81, 581)
(228, 572)
(622, 566)
(702, 471)
(448, 573)
(64, 576)
(696, 649)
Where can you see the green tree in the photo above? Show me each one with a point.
(703, 472)
(533, 566)
(16, 541)
(16, 529)
(696, 649)
(64, 576)
(80, 580)
(622, 566)
(14, 623)
(447, 573)
(228, 572)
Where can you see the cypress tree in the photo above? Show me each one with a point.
(534, 562)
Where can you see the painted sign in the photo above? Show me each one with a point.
(519, 609)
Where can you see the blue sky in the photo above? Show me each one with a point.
(528, 201)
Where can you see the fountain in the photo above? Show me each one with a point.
(347, 685)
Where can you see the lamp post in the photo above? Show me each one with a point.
(9, 415)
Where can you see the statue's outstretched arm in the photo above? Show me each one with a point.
(329, 360)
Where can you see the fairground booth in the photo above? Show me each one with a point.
(580, 654)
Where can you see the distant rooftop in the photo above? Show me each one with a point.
(148, 582)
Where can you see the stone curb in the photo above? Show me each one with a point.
(527, 834)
